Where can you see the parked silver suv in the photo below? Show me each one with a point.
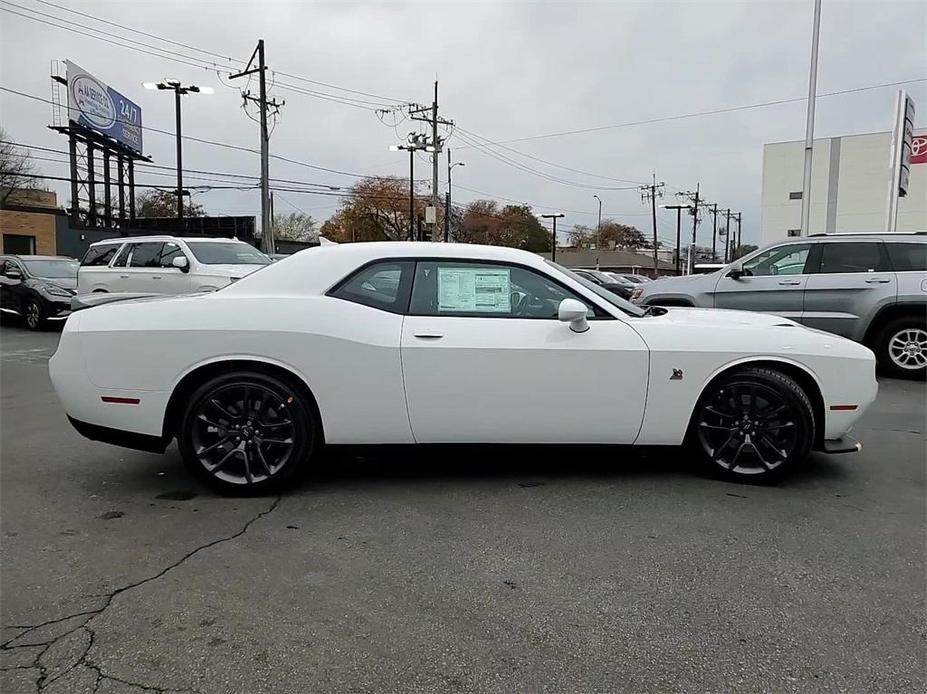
(871, 288)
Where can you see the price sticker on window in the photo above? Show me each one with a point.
(474, 290)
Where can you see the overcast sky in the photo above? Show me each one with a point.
(507, 70)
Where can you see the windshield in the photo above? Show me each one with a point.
(231, 253)
(64, 268)
(613, 299)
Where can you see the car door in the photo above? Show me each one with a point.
(773, 281)
(13, 287)
(95, 273)
(170, 279)
(485, 360)
(6, 296)
(142, 271)
(850, 282)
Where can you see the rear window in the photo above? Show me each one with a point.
(383, 285)
(907, 257)
(100, 255)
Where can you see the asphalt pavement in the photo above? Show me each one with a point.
(503, 570)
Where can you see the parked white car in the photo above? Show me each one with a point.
(166, 264)
(401, 343)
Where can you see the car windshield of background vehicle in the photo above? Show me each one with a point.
(784, 260)
(212, 253)
(613, 299)
(52, 268)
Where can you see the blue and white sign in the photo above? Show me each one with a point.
(95, 105)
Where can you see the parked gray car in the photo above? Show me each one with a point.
(871, 288)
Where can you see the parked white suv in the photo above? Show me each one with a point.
(166, 264)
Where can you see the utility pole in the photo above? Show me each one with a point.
(416, 144)
(714, 232)
(553, 235)
(727, 237)
(679, 209)
(650, 193)
(694, 197)
(264, 106)
(430, 115)
(738, 217)
(809, 125)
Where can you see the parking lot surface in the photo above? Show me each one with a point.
(499, 570)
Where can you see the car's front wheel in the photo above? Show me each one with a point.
(33, 315)
(902, 348)
(753, 424)
(248, 432)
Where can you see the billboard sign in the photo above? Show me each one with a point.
(97, 106)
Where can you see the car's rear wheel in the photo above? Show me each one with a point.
(248, 432)
(902, 348)
(33, 315)
(752, 425)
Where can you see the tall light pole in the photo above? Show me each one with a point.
(178, 89)
(553, 235)
(809, 124)
(447, 206)
(679, 209)
(598, 228)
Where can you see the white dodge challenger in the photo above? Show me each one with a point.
(411, 343)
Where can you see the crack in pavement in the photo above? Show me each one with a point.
(89, 615)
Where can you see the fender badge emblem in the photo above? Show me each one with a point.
(677, 375)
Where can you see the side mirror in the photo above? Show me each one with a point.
(573, 312)
(13, 273)
(181, 263)
(736, 271)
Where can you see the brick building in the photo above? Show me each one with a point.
(28, 222)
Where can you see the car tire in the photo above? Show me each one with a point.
(901, 348)
(33, 315)
(248, 432)
(753, 425)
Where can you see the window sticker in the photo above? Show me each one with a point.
(474, 290)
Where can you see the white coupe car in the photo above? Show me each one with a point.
(402, 343)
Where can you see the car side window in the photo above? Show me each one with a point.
(384, 285)
(844, 257)
(122, 259)
(490, 290)
(146, 254)
(169, 251)
(908, 257)
(781, 260)
(99, 255)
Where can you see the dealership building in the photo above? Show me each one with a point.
(849, 186)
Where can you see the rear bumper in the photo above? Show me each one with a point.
(845, 444)
(117, 437)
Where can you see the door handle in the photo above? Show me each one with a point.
(878, 280)
(428, 336)
(156, 277)
(123, 277)
(790, 283)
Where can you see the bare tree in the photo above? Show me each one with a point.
(15, 169)
(295, 226)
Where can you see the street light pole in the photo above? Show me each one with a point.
(413, 147)
(598, 228)
(679, 209)
(809, 124)
(174, 85)
(447, 207)
(553, 245)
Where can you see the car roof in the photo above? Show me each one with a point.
(164, 237)
(883, 235)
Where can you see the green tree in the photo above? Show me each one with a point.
(163, 203)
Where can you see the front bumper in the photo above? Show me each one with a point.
(845, 444)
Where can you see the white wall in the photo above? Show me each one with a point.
(849, 187)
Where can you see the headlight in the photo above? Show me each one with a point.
(636, 294)
(55, 290)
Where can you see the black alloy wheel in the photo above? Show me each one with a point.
(33, 315)
(754, 424)
(248, 432)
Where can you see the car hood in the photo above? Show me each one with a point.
(63, 282)
(231, 270)
(723, 318)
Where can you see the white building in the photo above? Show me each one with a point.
(849, 186)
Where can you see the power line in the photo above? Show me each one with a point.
(730, 109)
